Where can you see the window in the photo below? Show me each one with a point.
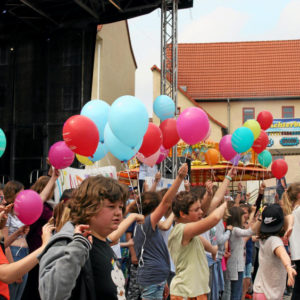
(248, 113)
(287, 112)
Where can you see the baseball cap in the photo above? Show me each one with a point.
(272, 219)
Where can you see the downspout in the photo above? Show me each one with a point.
(228, 115)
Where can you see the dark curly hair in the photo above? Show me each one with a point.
(87, 199)
(199, 191)
(183, 202)
(149, 200)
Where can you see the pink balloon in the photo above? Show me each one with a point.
(150, 160)
(28, 206)
(225, 147)
(60, 155)
(208, 134)
(192, 125)
(163, 154)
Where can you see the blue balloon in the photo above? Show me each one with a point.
(242, 139)
(2, 142)
(117, 148)
(128, 120)
(265, 158)
(100, 152)
(97, 111)
(164, 107)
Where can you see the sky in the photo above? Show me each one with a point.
(211, 21)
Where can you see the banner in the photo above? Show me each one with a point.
(284, 125)
(71, 178)
(163, 183)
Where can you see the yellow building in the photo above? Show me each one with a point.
(233, 82)
(114, 68)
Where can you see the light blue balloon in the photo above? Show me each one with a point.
(164, 107)
(242, 139)
(97, 111)
(265, 158)
(2, 142)
(100, 152)
(128, 120)
(117, 148)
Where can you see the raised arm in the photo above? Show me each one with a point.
(260, 196)
(156, 181)
(196, 228)
(166, 224)
(48, 188)
(115, 235)
(168, 197)
(219, 195)
(11, 238)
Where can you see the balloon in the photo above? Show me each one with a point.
(81, 135)
(163, 154)
(60, 155)
(279, 168)
(208, 134)
(128, 120)
(235, 160)
(28, 206)
(117, 148)
(169, 133)
(2, 142)
(254, 127)
(242, 139)
(192, 125)
(84, 160)
(212, 157)
(265, 158)
(261, 143)
(152, 140)
(97, 111)
(150, 160)
(225, 147)
(164, 107)
(100, 152)
(265, 119)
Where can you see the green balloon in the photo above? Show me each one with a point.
(265, 158)
(2, 142)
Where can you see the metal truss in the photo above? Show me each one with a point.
(169, 69)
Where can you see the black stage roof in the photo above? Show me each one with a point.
(47, 16)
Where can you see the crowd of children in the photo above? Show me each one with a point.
(105, 241)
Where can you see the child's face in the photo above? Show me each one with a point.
(195, 212)
(107, 219)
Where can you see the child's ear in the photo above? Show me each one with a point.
(181, 213)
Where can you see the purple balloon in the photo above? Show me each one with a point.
(236, 159)
(28, 206)
(225, 147)
(192, 125)
(60, 155)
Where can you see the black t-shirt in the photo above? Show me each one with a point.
(108, 277)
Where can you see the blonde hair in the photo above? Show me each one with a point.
(287, 206)
(292, 193)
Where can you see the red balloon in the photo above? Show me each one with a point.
(261, 143)
(170, 133)
(279, 168)
(152, 140)
(81, 135)
(265, 119)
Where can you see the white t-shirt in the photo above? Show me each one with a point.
(271, 275)
(294, 238)
(146, 171)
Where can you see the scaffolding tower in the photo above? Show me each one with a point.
(169, 50)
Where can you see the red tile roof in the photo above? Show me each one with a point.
(240, 69)
(193, 101)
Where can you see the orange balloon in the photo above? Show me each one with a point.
(212, 156)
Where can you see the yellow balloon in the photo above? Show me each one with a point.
(84, 160)
(254, 126)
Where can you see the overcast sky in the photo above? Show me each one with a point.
(211, 21)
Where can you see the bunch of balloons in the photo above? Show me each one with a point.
(2, 142)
